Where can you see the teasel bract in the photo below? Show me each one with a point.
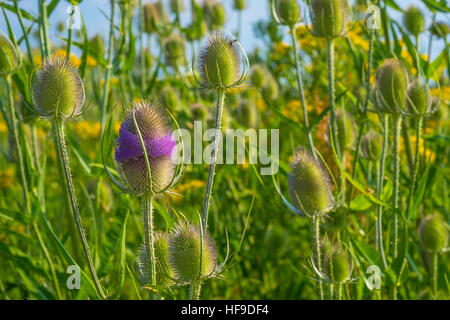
(311, 194)
(433, 235)
(58, 95)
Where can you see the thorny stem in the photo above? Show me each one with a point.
(25, 34)
(380, 188)
(44, 26)
(71, 197)
(301, 91)
(194, 290)
(318, 260)
(109, 67)
(434, 273)
(433, 20)
(69, 38)
(149, 241)
(397, 121)
(339, 291)
(419, 124)
(141, 41)
(213, 159)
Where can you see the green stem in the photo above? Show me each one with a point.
(71, 198)
(149, 234)
(419, 124)
(339, 291)
(141, 41)
(434, 273)
(301, 91)
(109, 67)
(318, 262)
(44, 26)
(24, 30)
(397, 121)
(69, 38)
(407, 143)
(213, 160)
(380, 188)
(433, 20)
(194, 290)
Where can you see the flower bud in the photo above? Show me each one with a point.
(433, 233)
(159, 144)
(413, 21)
(371, 146)
(186, 250)
(174, 51)
(346, 129)
(288, 11)
(239, 5)
(9, 56)
(329, 17)
(337, 265)
(440, 29)
(418, 99)
(390, 86)
(58, 90)
(309, 184)
(219, 62)
(247, 114)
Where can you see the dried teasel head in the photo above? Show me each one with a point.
(286, 12)
(222, 63)
(156, 132)
(329, 18)
(433, 233)
(57, 89)
(413, 21)
(9, 56)
(390, 87)
(186, 250)
(309, 184)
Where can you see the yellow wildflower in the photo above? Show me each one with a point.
(6, 178)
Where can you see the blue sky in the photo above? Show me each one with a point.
(256, 10)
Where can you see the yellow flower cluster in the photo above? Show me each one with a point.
(6, 178)
(188, 186)
(88, 129)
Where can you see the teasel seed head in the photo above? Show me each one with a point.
(418, 99)
(371, 146)
(185, 253)
(175, 51)
(390, 87)
(413, 21)
(239, 5)
(215, 14)
(346, 129)
(220, 61)
(57, 89)
(288, 12)
(258, 76)
(329, 18)
(433, 233)
(309, 184)
(9, 56)
(440, 29)
(270, 88)
(247, 114)
(164, 274)
(337, 265)
(336, 220)
(156, 132)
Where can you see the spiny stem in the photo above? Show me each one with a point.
(109, 67)
(149, 234)
(434, 273)
(380, 188)
(69, 38)
(71, 197)
(301, 91)
(213, 160)
(397, 121)
(141, 41)
(318, 262)
(44, 26)
(194, 290)
(25, 34)
(339, 291)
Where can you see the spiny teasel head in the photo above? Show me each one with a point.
(176, 6)
(164, 273)
(258, 75)
(390, 86)
(346, 128)
(220, 61)
(337, 265)
(440, 29)
(156, 132)
(329, 18)
(215, 14)
(247, 114)
(336, 220)
(418, 99)
(175, 51)
(239, 5)
(371, 146)
(58, 90)
(309, 184)
(186, 251)
(270, 89)
(9, 56)
(288, 12)
(433, 233)
(413, 20)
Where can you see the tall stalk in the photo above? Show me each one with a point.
(24, 31)
(213, 159)
(317, 249)
(69, 36)
(141, 41)
(301, 91)
(63, 156)
(380, 188)
(397, 121)
(434, 273)
(149, 234)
